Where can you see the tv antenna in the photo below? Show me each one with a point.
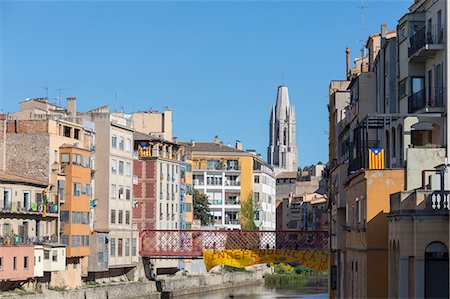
(116, 100)
(59, 90)
(46, 91)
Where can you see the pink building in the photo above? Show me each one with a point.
(16, 263)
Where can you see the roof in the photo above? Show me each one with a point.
(287, 175)
(138, 136)
(212, 147)
(13, 178)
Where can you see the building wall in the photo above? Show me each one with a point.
(18, 253)
(158, 123)
(367, 231)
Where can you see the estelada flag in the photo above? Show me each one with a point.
(376, 158)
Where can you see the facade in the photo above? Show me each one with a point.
(113, 210)
(407, 121)
(226, 175)
(154, 123)
(186, 190)
(75, 200)
(282, 152)
(157, 193)
(26, 224)
(264, 195)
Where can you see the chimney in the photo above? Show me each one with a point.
(192, 142)
(175, 139)
(72, 106)
(238, 145)
(216, 139)
(347, 57)
(221, 144)
(383, 30)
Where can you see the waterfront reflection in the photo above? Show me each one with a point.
(262, 292)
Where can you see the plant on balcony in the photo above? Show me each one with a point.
(201, 208)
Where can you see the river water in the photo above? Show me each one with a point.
(263, 292)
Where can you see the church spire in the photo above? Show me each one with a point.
(282, 150)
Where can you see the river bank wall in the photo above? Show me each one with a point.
(164, 287)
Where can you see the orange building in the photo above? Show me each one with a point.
(75, 203)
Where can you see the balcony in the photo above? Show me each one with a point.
(233, 201)
(425, 43)
(232, 183)
(419, 101)
(233, 221)
(17, 208)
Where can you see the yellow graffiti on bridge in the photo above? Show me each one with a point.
(240, 258)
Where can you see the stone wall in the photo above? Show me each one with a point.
(28, 155)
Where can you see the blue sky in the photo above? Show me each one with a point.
(216, 64)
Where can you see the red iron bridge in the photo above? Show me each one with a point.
(192, 243)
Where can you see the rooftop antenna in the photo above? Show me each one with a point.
(116, 100)
(46, 91)
(363, 49)
(59, 90)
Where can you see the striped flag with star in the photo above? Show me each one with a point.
(376, 158)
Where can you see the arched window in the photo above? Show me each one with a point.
(121, 143)
(284, 137)
(114, 141)
(128, 145)
(436, 270)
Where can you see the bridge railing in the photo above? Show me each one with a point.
(192, 243)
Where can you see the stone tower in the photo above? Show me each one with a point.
(282, 150)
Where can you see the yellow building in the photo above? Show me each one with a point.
(225, 175)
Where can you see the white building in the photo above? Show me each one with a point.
(264, 196)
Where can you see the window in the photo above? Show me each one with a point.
(86, 161)
(26, 200)
(65, 239)
(114, 141)
(86, 189)
(85, 218)
(133, 249)
(76, 189)
(15, 263)
(76, 134)
(113, 246)
(25, 262)
(128, 193)
(113, 166)
(1, 263)
(121, 167)
(120, 247)
(64, 217)
(128, 169)
(402, 88)
(120, 192)
(113, 216)
(113, 191)
(121, 144)
(7, 199)
(66, 131)
(65, 159)
(213, 165)
(46, 254)
(61, 189)
(128, 145)
(127, 217)
(76, 217)
(120, 217)
(358, 212)
(76, 160)
(54, 255)
(127, 247)
(256, 179)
